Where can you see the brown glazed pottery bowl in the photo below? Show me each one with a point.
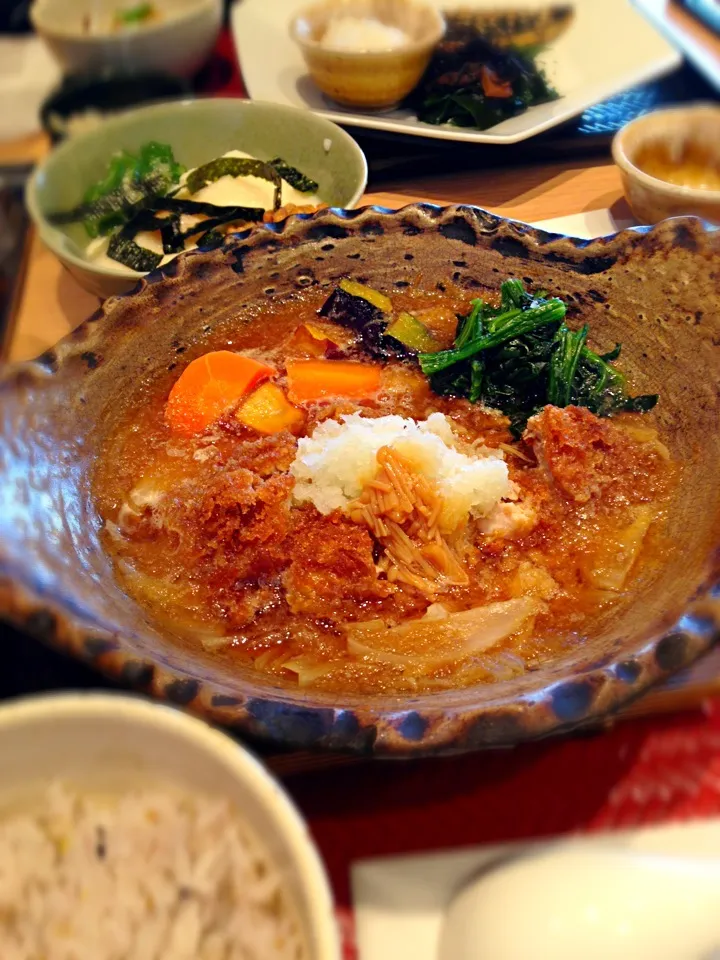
(655, 289)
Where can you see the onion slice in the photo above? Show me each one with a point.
(433, 641)
(309, 669)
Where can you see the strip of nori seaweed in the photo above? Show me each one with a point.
(130, 182)
(172, 241)
(118, 202)
(115, 202)
(130, 254)
(123, 202)
(168, 226)
(293, 176)
(144, 219)
(235, 167)
(211, 240)
(126, 251)
(177, 205)
(205, 226)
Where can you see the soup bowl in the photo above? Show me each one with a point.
(654, 289)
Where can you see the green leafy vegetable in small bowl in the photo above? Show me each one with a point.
(136, 15)
(132, 181)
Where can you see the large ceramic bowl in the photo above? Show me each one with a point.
(109, 743)
(198, 131)
(656, 290)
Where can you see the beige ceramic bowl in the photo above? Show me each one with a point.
(179, 42)
(371, 80)
(111, 742)
(650, 198)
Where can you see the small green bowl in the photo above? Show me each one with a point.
(198, 131)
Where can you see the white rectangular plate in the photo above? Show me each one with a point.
(399, 902)
(586, 226)
(696, 41)
(607, 48)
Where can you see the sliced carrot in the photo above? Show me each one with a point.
(209, 386)
(268, 410)
(314, 379)
(493, 86)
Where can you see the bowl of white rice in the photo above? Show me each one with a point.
(132, 831)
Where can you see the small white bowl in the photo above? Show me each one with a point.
(652, 199)
(111, 742)
(178, 43)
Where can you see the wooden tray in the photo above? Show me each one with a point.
(695, 39)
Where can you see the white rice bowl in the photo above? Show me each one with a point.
(130, 831)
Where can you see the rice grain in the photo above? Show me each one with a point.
(152, 874)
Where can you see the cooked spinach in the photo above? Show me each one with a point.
(603, 389)
(519, 356)
(564, 362)
(505, 326)
(293, 176)
(471, 82)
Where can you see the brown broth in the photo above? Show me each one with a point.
(692, 165)
(219, 571)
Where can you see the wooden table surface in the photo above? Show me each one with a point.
(52, 303)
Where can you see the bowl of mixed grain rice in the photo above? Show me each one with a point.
(132, 831)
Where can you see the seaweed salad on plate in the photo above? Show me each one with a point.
(485, 69)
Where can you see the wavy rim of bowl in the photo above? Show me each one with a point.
(416, 46)
(195, 11)
(57, 241)
(622, 159)
(232, 755)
